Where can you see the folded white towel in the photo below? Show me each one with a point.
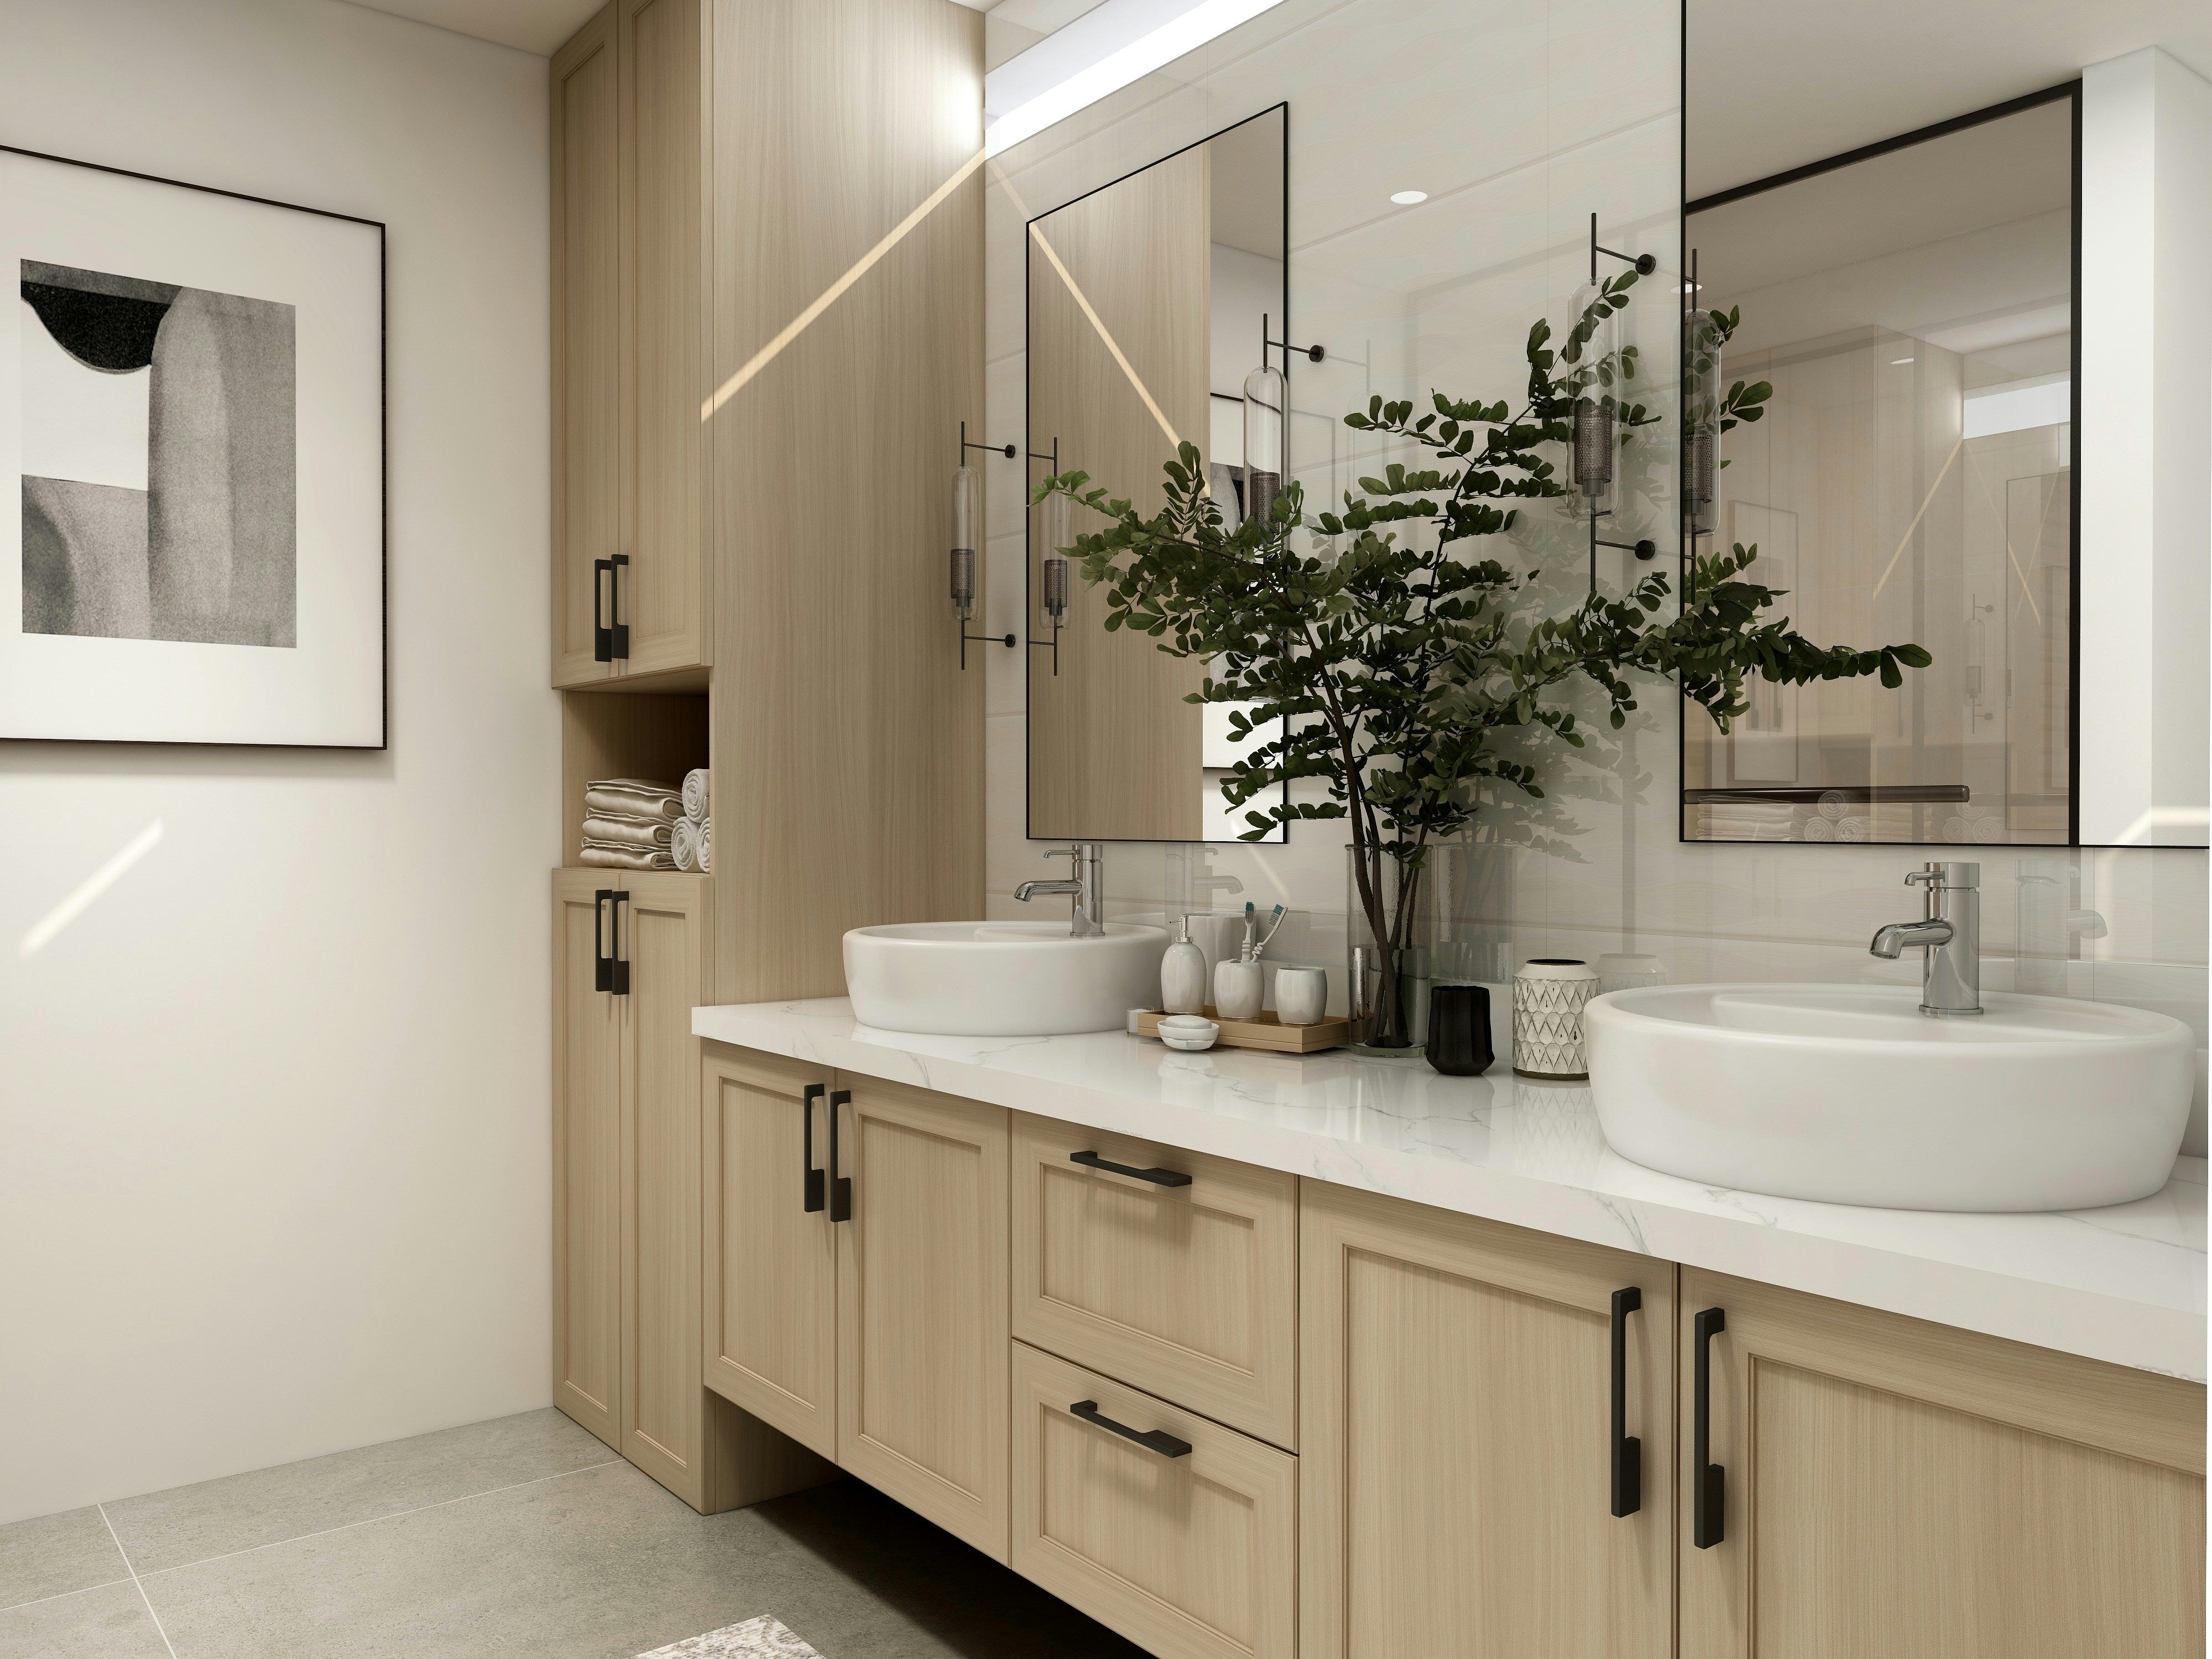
(627, 831)
(601, 856)
(695, 797)
(683, 845)
(638, 797)
(707, 847)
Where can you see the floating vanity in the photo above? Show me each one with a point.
(1245, 1353)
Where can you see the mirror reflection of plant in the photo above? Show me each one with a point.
(1400, 672)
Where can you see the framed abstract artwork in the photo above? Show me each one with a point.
(191, 405)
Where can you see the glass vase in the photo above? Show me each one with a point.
(1388, 970)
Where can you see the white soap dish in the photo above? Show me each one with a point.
(1189, 1032)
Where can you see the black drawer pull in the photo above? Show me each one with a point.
(1151, 1439)
(1708, 1498)
(603, 964)
(841, 1186)
(1627, 1450)
(610, 635)
(618, 969)
(813, 1197)
(1157, 1177)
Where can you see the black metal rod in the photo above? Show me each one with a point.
(966, 443)
(1151, 1440)
(603, 965)
(1709, 1497)
(1157, 1177)
(617, 630)
(1627, 1448)
(841, 1186)
(813, 1195)
(1313, 354)
(603, 638)
(621, 962)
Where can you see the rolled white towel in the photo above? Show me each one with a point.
(1851, 829)
(628, 831)
(1989, 829)
(637, 798)
(1819, 827)
(685, 844)
(696, 799)
(1835, 804)
(706, 853)
(599, 855)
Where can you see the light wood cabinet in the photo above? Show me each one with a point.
(921, 1303)
(1892, 1487)
(1456, 1444)
(771, 1261)
(632, 583)
(1179, 1534)
(1174, 1272)
(587, 1163)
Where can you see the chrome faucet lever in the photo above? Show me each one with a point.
(1951, 934)
(1085, 888)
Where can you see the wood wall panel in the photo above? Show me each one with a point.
(847, 744)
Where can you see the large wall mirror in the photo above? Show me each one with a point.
(1916, 307)
(1150, 300)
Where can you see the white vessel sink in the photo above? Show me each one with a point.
(1001, 978)
(1850, 1094)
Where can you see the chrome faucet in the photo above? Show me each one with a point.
(1085, 888)
(1951, 934)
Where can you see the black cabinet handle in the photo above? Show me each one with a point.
(1151, 1439)
(1710, 1497)
(610, 634)
(603, 964)
(1627, 1450)
(814, 1091)
(841, 1186)
(619, 964)
(1157, 1177)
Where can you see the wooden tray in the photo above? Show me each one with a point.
(1265, 1032)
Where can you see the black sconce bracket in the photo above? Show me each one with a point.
(1645, 263)
(1312, 354)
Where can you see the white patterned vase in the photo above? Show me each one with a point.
(1548, 994)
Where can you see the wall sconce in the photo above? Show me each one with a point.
(967, 542)
(1266, 397)
(1056, 526)
(1594, 470)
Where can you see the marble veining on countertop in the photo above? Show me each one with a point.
(2125, 1283)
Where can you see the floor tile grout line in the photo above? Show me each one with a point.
(63, 1595)
(370, 1521)
(158, 1628)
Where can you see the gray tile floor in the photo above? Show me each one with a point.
(524, 1535)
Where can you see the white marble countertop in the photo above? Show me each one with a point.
(2125, 1283)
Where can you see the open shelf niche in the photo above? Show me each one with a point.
(657, 735)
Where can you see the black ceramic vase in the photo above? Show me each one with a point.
(1459, 1029)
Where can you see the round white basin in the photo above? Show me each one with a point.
(1001, 978)
(1848, 1093)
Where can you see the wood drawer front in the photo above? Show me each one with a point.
(1193, 1557)
(1187, 1292)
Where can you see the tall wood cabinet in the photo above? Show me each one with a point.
(1456, 1438)
(632, 578)
(1887, 1486)
(864, 1312)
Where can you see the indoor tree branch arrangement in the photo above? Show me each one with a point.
(1396, 672)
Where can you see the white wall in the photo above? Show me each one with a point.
(1579, 112)
(273, 1157)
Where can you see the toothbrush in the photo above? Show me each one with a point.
(1274, 920)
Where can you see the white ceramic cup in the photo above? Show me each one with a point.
(1301, 996)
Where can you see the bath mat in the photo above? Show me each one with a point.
(756, 1638)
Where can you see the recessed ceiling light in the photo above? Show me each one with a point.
(1407, 198)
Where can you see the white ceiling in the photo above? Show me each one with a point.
(538, 26)
(1776, 83)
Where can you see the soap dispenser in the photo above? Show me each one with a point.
(1182, 975)
(1238, 986)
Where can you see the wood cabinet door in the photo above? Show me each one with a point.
(921, 1303)
(1892, 1489)
(1180, 1279)
(1456, 1491)
(586, 456)
(664, 363)
(1186, 1544)
(587, 1163)
(771, 1305)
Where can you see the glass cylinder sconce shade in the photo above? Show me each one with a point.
(1056, 526)
(1596, 426)
(967, 528)
(1263, 440)
(1701, 434)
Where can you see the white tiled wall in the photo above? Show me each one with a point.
(1519, 122)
